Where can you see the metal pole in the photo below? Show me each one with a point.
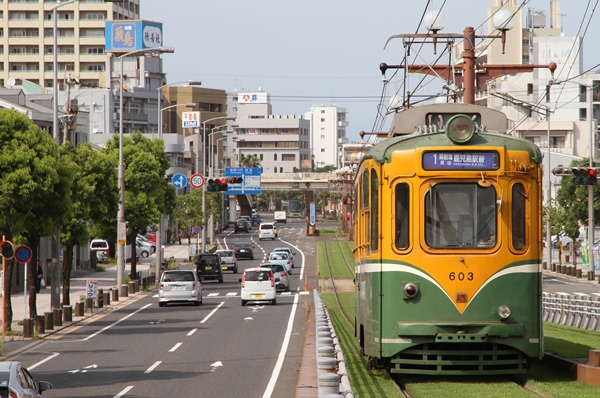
(590, 95)
(159, 252)
(548, 198)
(121, 177)
(203, 188)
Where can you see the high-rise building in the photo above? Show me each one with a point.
(26, 39)
(328, 134)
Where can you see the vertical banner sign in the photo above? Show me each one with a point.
(190, 119)
(122, 233)
(91, 289)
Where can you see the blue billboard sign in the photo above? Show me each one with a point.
(250, 180)
(126, 36)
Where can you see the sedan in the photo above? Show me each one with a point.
(282, 259)
(243, 250)
(179, 286)
(229, 262)
(16, 381)
(288, 251)
(142, 250)
(282, 278)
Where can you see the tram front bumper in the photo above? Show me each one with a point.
(460, 333)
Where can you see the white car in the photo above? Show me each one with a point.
(281, 258)
(228, 260)
(258, 284)
(267, 231)
(179, 286)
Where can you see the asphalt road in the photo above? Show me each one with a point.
(219, 349)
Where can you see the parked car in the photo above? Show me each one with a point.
(288, 250)
(151, 236)
(179, 286)
(229, 262)
(258, 284)
(99, 245)
(241, 225)
(100, 257)
(16, 381)
(142, 250)
(243, 250)
(143, 240)
(208, 267)
(267, 231)
(282, 277)
(281, 258)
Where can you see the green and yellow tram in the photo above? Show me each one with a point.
(448, 245)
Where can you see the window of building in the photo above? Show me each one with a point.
(322, 119)
(274, 156)
(281, 169)
(557, 142)
(322, 149)
(322, 111)
(289, 157)
(261, 157)
(322, 136)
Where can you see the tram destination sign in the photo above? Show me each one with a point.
(461, 160)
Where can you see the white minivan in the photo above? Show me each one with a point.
(267, 231)
(258, 284)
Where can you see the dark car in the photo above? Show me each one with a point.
(243, 250)
(241, 225)
(208, 267)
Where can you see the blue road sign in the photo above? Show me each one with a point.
(250, 180)
(179, 181)
(23, 254)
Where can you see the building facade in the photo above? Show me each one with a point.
(328, 132)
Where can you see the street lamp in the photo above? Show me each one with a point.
(204, 174)
(121, 228)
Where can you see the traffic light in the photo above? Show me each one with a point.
(235, 180)
(592, 176)
(580, 175)
(217, 185)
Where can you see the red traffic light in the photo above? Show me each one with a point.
(592, 176)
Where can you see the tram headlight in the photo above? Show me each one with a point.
(411, 290)
(460, 129)
(504, 311)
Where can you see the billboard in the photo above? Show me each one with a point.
(253, 98)
(126, 36)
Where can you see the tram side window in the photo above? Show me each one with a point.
(402, 220)
(364, 189)
(518, 216)
(374, 211)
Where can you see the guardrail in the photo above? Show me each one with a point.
(577, 310)
(331, 365)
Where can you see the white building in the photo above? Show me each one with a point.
(328, 131)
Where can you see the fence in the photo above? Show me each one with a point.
(577, 310)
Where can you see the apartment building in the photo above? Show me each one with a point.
(26, 39)
(328, 132)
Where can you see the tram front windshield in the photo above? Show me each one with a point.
(460, 216)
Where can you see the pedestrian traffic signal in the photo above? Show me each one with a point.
(592, 177)
(235, 180)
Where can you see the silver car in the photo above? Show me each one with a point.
(16, 381)
(281, 258)
(228, 260)
(288, 251)
(179, 286)
(282, 277)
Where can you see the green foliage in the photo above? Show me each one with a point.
(571, 204)
(249, 161)
(188, 210)
(325, 169)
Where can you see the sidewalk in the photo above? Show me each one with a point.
(106, 279)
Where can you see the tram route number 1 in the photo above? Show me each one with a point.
(461, 276)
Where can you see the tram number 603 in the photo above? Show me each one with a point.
(461, 276)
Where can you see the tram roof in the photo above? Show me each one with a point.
(381, 152)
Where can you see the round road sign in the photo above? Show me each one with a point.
(23, 254)
(197, 230)
(197, 181)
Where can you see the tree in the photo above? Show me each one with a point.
(148, 195)
(249, 161)
(35, 189)
(188, 211)
(572, 200)
(94, 195)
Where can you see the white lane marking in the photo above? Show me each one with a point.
(212, 312)
(212, 294)
(284, 347)
(54, 354)
(216, 365)
(232, 294)
(116, 323)
(151, 368)
(125, 391)
(192, 332)
(175, 347)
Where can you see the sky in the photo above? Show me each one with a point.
(319, 52)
